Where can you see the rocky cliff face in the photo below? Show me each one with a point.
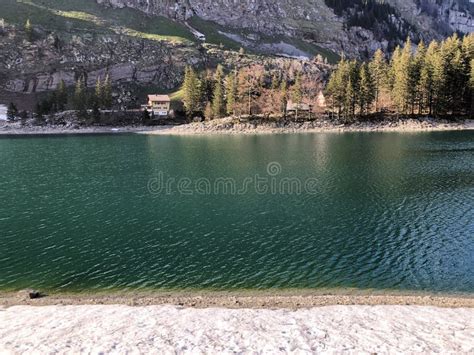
(30, 68)
(41, 65)
(67, 52)
(319, 20)
(34, 67)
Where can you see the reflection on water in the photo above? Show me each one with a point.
(393, 211)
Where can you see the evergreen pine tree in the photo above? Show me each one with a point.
(61, 96)
(416, 65)
(231, 93)
(401, 66)
(206, 87)
(218, 100)
(191, 92)
(352, 92)
(394, 62)
(99, 93)
(107, 99)
(336, 87)
(80, 97)
(426, 85)
(468, 55)
(378, 71)
(439, 79)
(273, 105)
(367, 89)
(275, 82)
(471, 86)
(209, 112)
(297, 93)
(283, 97)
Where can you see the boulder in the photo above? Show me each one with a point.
(30, 294)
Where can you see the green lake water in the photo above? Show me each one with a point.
(381, 211)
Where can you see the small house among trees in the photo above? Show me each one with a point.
(159, 105)
(302, 108)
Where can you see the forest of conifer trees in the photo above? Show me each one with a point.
(435, 80)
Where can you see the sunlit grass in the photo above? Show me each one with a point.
(149, 36)
(79, 15)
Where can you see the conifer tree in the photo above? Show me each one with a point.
(231, 93)
(367, 89)
(273, 104)
(191, 92)
(275, 82)
(206, 87)
(401, 67)
(468, 54)
(209, 112)
(439, 78)
(246, 91)
(107, 99)
(80, 98)
(416, 65)
(426, 85)
(283, 97)
(99, 93)
(378, 71)
(61, 96)
(394, 62)
(337, 85)
(352, 91)
(297, 93)
(218, 100)
(471, 86)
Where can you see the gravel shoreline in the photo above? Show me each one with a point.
(234, 126)
(18, 130)
(245, 299)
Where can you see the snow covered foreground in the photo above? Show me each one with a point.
(170, 329)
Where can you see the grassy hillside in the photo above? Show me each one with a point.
(87, 15)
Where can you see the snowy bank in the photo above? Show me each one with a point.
(170, 329)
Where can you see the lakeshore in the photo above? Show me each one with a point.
(353, 219)
(235, 126)
(364, 231)
(247, 299)
(170, 329)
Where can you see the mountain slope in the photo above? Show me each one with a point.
(142, 54)
(352, 26)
